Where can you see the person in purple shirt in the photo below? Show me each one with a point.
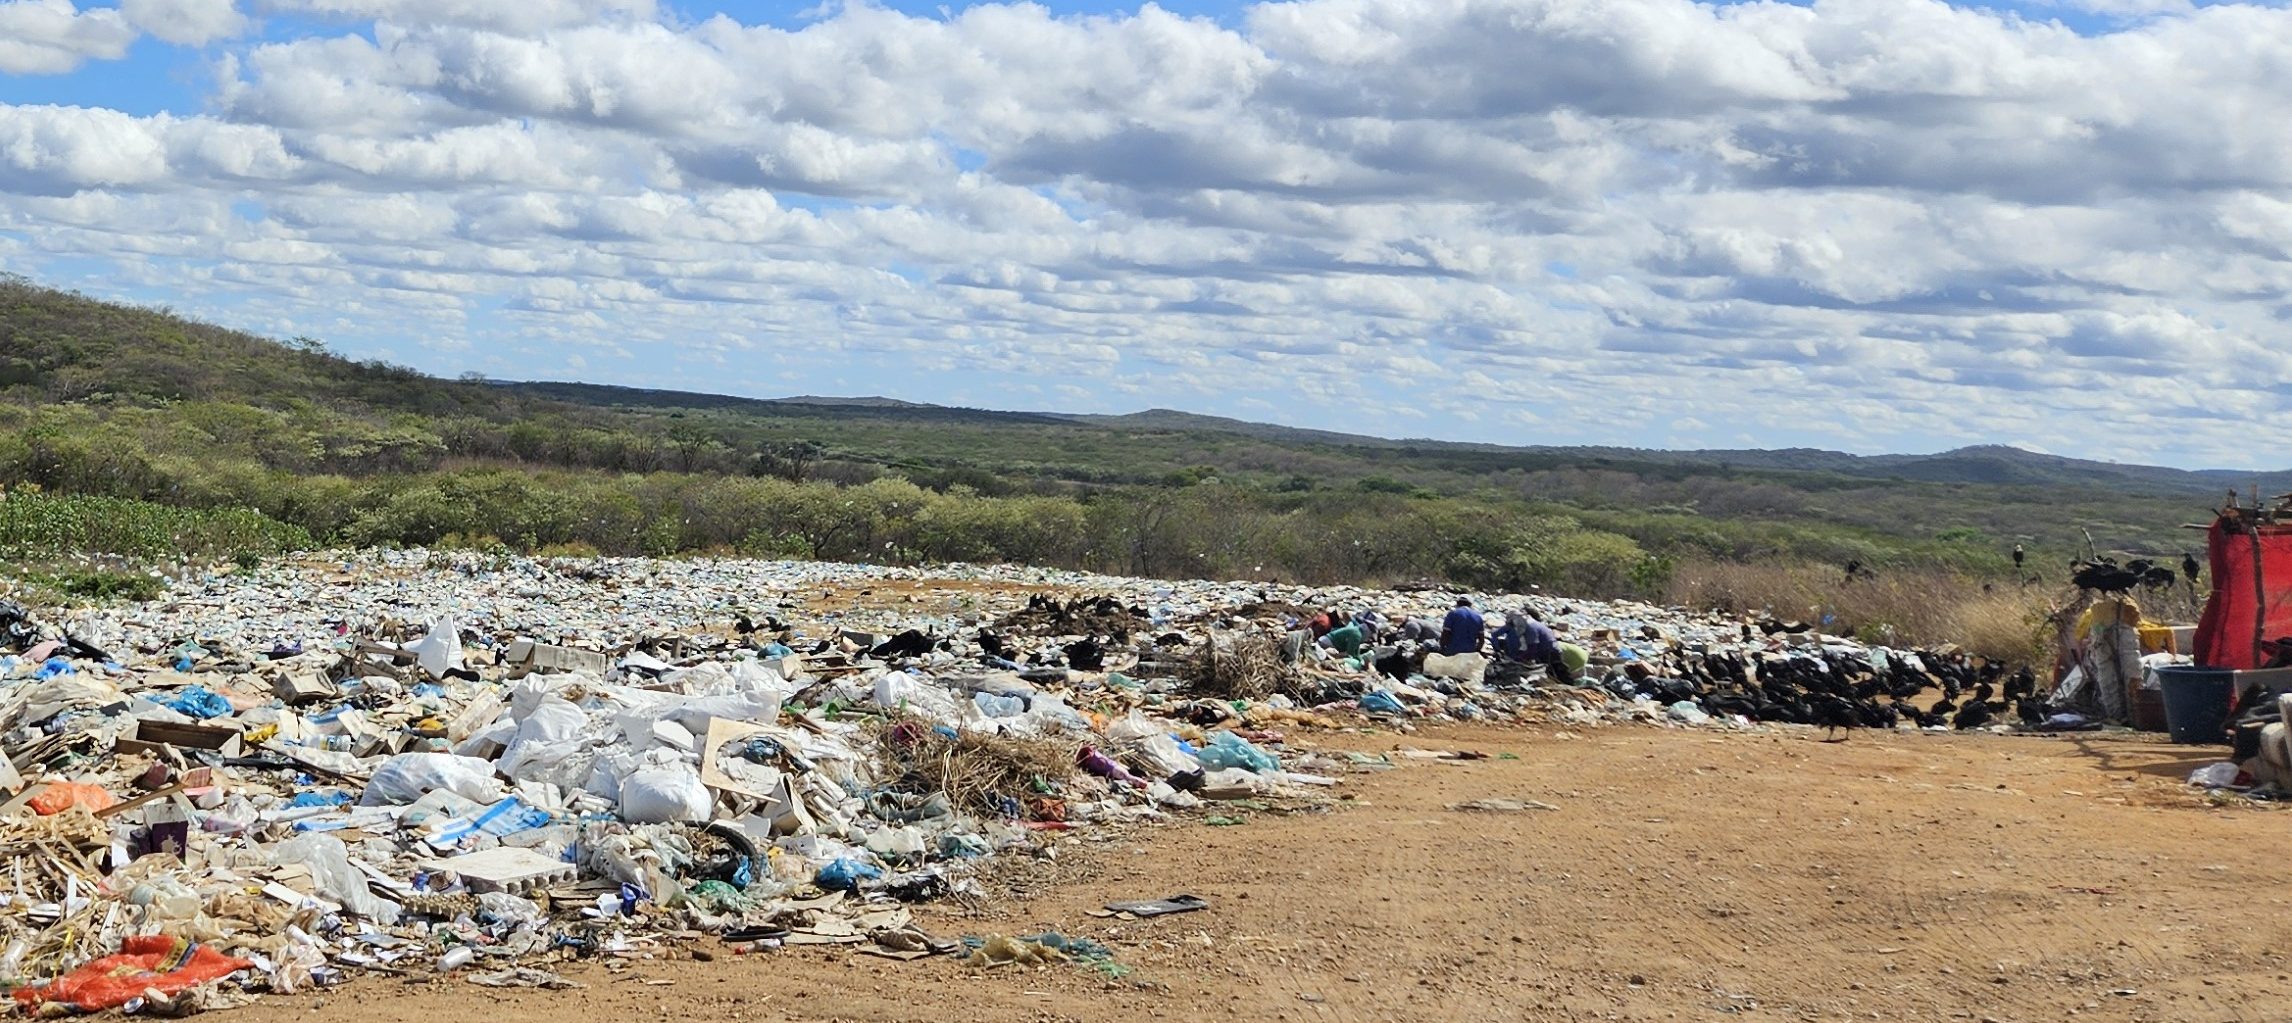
(1526, 639)
(1461, 631)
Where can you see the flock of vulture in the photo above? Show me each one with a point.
(1842, 691)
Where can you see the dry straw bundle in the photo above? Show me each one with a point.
(974, 770)
(1239, 666)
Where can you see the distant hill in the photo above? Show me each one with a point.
(611, 396)
(1994, 464)
(160, 407)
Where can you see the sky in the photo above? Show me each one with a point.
(1863, 225)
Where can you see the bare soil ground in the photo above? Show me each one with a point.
(1683, 876)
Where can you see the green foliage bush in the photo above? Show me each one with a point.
(39, 525)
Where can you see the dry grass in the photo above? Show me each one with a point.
(2014, 627)
(974, 770)
(1902, 607)
(1239, 666)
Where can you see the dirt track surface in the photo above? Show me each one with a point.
(1683, 875)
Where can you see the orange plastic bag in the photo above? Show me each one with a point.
(152, 962)
(63, 795)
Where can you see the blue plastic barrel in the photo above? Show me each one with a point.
(2196, 703)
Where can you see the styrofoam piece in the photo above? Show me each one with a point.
(509, 869)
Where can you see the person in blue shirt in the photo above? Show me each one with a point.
(1461, 631)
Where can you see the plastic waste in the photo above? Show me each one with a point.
(845, 874)
(500, 820)
(663, 789)
(995, 706)
(1091, 760)
(328, 861)
(1049, 714)
(1161, 756)
(297, 965)
(897, 845)
(897, 690)
(1131, 728)
(164, 898)
(145, 964)
(1227, 750)
(2215, 776)
(504, 907)
(1687, 713)
(61, 796)
(550, 745)
(199, 702)
(409, 776)
(1378, 701)
(441, 650)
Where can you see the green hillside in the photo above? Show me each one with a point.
(99, 400)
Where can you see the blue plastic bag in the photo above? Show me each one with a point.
(199, 702)
(845, 875)
(1229, 750)
(328, 797)
(1378, 701)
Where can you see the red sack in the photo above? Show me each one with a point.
(63, 795)
(2251, 602)
(152, 962)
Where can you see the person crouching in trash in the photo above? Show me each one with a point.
(1526, 640)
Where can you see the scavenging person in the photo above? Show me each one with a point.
(1462, 630)
(1527, 640)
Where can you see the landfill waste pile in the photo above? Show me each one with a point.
(396, 762)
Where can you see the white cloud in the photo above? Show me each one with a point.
(502, 15)
(185, 22)
(1871, 222)
(60, 150)
(47, 37)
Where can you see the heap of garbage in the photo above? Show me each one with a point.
(271, 779)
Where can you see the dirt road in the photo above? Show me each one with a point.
(1683, 875)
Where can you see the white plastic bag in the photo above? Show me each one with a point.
(1160, 756)
(1131, 727)
(1050, 715)
(705, 679)
(550, 745)
(754, 677)
(662, 789)
(328, 861)
(293, 968)
(409, 776)
(1461, 667)
(441, 650)
(898, 690)
(2214, 776)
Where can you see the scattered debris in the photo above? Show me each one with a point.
(421, 763)
(1159, 907)
(1501, 806)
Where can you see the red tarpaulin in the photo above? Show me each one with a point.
(2251, 598)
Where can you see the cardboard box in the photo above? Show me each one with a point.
(550, 659)
(149, 736)
(301, 685)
